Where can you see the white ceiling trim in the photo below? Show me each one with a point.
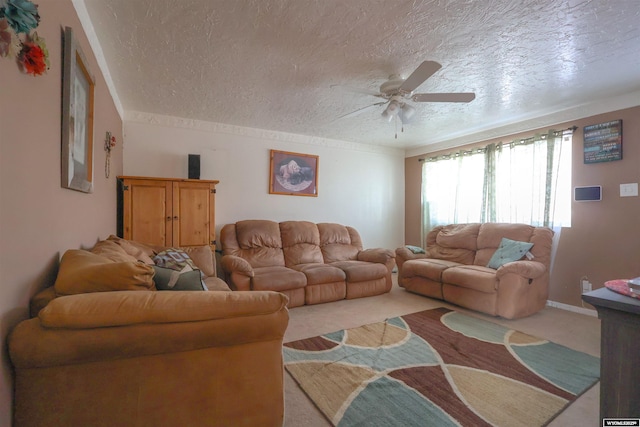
(534, 122)
(213, 127)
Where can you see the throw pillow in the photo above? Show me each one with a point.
(167, 279)
(112, 250)
(175, 259)
(415, 249)
(138, 250)
(82, 271)
(508, 251)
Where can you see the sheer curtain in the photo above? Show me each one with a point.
(452, 192)
(525, 181)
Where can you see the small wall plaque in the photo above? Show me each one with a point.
(603, 142)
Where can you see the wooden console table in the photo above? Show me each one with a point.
(619, 353)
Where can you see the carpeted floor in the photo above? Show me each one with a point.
(576, 331)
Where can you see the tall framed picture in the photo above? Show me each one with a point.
(293, 174)
(78, 86)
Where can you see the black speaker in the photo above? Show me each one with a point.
(194, 166)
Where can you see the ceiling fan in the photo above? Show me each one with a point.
(397, 91)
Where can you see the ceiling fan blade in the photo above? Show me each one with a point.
(422, 73)
(357, 90)
(444, 97)
(360, 110)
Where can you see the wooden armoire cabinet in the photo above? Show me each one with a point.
(167, 212)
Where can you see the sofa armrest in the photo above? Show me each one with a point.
(100, 326)
(40, 300)
(235, 264)
(378, 255)
(528, 269)
(404, 254)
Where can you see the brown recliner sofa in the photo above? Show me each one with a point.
(310, 263)
(140, 357)
(454, 268)
(137, 358)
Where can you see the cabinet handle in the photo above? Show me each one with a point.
(168, 218)
(175, 217)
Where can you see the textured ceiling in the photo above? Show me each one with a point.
(271, 64)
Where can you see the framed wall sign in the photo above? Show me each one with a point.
(293, 174)
(77, 118)
(603, 142)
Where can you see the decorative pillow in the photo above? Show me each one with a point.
(138, 250)
(175, 259)
(508, 251)
(82, 271)
(415, 249)
(167, 279)
(113, 251)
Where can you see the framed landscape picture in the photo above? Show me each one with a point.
(293, 174)
(77, 118)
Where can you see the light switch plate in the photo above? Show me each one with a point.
(629, 190)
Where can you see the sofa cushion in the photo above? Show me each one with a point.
(457, 255)
(82, 271)
(140, 251)
(338, 242)
(277, 278)
(508, 251)
(474, 277)
(458, 236)
(257, 241)
(113, 251)
(360, 271)
(167, 279)
(216, 284)
(130, 308)
(491, 235)
(300, 243)
(318, 273)
(202, 258)
(430, 268)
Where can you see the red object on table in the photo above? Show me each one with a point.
(622, 287)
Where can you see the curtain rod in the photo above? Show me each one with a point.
(572, 129)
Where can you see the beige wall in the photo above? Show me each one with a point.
(358, 185)
(39, 220)
(603, 242)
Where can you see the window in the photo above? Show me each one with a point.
(525, 181)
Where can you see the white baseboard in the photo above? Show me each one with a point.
(581, 310)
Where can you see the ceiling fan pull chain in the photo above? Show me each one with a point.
(396, 123)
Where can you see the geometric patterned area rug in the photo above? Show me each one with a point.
(438, 368)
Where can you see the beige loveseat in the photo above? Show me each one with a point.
(310, 263)
(454, 268)
(141, 357)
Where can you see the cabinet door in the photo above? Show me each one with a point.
(193, 214)
(147, 211)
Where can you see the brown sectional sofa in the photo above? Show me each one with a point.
(310, 263)
(454, 268)
(141, 357)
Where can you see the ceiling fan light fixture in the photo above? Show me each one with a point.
(392, 110)
(387, 116)
(407, 112)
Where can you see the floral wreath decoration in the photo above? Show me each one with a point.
(19, 17)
